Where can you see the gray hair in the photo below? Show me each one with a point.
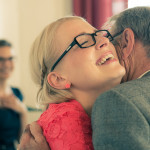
(137, 19)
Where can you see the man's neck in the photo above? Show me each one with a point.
(137, 71)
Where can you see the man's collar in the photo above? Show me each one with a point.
(143, 74)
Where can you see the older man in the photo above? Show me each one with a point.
(121, 116)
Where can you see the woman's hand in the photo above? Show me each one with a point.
(12, 102)
(33, 139)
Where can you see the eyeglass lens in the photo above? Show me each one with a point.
(87, 40)
(2, 59)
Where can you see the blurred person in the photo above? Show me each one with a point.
(72, 63)
(13, 113)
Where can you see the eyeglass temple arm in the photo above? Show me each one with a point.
(117, 34)
(63, 54)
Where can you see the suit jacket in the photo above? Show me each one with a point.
(121, 117)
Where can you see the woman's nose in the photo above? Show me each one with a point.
(102, 42)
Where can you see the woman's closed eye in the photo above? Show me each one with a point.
(84, 43)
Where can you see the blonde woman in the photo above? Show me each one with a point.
(121, 116)
(73, 63)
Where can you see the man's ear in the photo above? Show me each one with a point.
(127, 42)
(56, 80)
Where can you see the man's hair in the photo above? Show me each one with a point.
(137, 19)
(5, 43)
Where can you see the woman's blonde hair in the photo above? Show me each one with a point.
(44, 53)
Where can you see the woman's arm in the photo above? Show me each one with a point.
(68, 128)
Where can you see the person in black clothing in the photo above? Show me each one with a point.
(13, 113)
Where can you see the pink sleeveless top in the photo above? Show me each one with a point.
(66, 126)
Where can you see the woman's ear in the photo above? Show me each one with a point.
(57, 81)
(127, 42)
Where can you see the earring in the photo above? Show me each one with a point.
(67, 86)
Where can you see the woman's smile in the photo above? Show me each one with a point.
(106, 58)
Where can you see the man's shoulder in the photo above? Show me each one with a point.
(122, 112)
(135, 94)
(129, 90)
(133, 87)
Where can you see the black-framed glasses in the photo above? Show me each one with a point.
(84, 40)
(10, 59)
(117, 34)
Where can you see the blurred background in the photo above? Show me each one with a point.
(22, 20)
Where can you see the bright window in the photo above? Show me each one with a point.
(134, 3)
